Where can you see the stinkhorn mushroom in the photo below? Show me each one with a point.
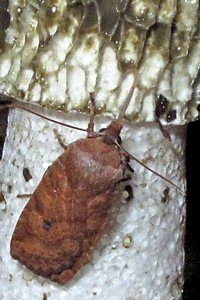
(141, 60)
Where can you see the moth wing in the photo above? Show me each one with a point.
(57, 231)
(88, 229)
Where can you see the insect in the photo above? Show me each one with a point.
(70, 209)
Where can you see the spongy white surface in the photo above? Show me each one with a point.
(45, 59)
(151, 268)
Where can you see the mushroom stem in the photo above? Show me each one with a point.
(151, 266)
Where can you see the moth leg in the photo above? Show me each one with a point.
(164, 132)
(90, 128)
(129, 190)
(59, 139)
(24, 195)
(130, 169)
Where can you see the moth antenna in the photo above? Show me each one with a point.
(90, 128)
(14, 105)
(164, 132)
(4, 106)
(148, 168)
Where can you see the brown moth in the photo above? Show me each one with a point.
(70, 209)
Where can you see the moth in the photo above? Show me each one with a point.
(70, 209)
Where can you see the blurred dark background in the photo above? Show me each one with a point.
(3, 125)
(192, 239)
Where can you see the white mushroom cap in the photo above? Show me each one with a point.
(132, 54)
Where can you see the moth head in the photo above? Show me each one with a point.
(111, 133)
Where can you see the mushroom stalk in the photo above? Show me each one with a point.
(142, 254)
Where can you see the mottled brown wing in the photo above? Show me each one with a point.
(59, 227)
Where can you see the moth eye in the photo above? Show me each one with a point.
(102, 129)
(118, 140)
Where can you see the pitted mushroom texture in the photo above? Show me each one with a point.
(130, 53)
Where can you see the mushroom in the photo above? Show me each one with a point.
(141, 59)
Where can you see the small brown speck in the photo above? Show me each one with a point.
(2, 199)
(27, 175)
(9, 187)
(165, 198)
(45, 297)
